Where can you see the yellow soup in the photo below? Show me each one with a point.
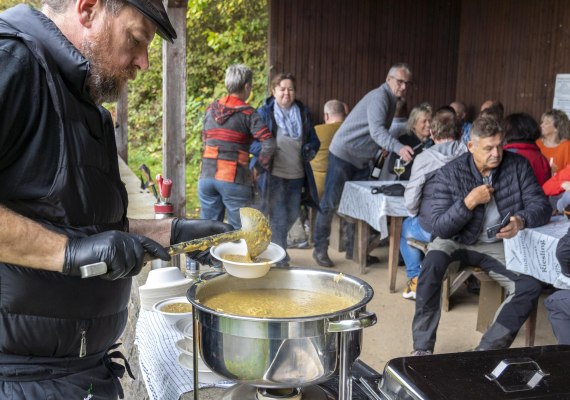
(177, 308)
(244, 258)
(276, 303)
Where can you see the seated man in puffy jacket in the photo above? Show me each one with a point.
(474, 192)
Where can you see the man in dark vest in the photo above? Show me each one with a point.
(62, 203)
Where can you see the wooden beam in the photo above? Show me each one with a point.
(122, 124)
(174, 107)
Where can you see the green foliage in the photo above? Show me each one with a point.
(5, 4)
(219, 33)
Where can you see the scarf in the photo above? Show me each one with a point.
(288, 121)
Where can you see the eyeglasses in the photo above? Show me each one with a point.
(401, 82)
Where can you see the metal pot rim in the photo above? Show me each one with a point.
(368, 293)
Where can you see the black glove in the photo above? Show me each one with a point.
(184, 230)
(122, 252)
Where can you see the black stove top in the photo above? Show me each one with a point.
(362, 377)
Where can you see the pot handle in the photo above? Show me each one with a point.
(365, 319)
(210, 274)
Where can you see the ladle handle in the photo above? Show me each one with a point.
(204, 243)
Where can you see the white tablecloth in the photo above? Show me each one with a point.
(164, 377)
(533, 252)
(358, 202)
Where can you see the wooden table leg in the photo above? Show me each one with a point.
(362, 234)
(394, 250)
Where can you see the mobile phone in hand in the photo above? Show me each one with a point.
(494, 229)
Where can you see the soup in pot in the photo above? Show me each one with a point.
(276, 303)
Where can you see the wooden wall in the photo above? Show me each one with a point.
(470, 50)
(512, 50)
(343, 49)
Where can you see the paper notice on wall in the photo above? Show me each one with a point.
(562, 93)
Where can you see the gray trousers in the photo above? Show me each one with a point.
(522, 292)
(558, 306)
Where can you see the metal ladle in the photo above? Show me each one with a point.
(254, 230)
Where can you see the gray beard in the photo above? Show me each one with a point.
(102, 85)
(103, 88)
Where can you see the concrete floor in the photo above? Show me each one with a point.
(392, 336)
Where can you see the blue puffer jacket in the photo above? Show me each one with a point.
(516, 190)
(311, 145)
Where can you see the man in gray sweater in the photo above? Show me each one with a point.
(355, 145)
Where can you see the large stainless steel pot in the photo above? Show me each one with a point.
(281, 352)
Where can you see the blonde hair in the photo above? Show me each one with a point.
(415, 115)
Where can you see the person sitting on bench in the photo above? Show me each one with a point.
(471, 196)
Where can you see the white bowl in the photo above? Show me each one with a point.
(184, 326)
(186, 346)
(164, 277)
(151, 296)
(205, 374)
(273, 253)
(172, 317)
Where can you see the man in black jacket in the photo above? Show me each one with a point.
(471, 194)
(62, 203)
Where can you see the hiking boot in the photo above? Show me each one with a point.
(322, 258)
(421, 353)
(410, 290)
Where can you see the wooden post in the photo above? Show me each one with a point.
(174, 107)
(122, 124)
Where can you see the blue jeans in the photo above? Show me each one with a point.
(218, 198)
(284, 206)
(338, 172)
(411, 229)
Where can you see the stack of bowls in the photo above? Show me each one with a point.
(163, 283)
(185, 347)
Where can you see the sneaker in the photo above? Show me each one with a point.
(410, 290)
(298, 245)
(421, 353)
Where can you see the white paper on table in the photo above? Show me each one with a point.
(533, 252)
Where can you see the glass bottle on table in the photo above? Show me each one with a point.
(399, 168)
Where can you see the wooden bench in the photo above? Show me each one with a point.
(491, 295)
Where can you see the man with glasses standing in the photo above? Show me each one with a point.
(354, 146)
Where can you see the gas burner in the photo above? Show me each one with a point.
(272, 394)
(247, 392)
